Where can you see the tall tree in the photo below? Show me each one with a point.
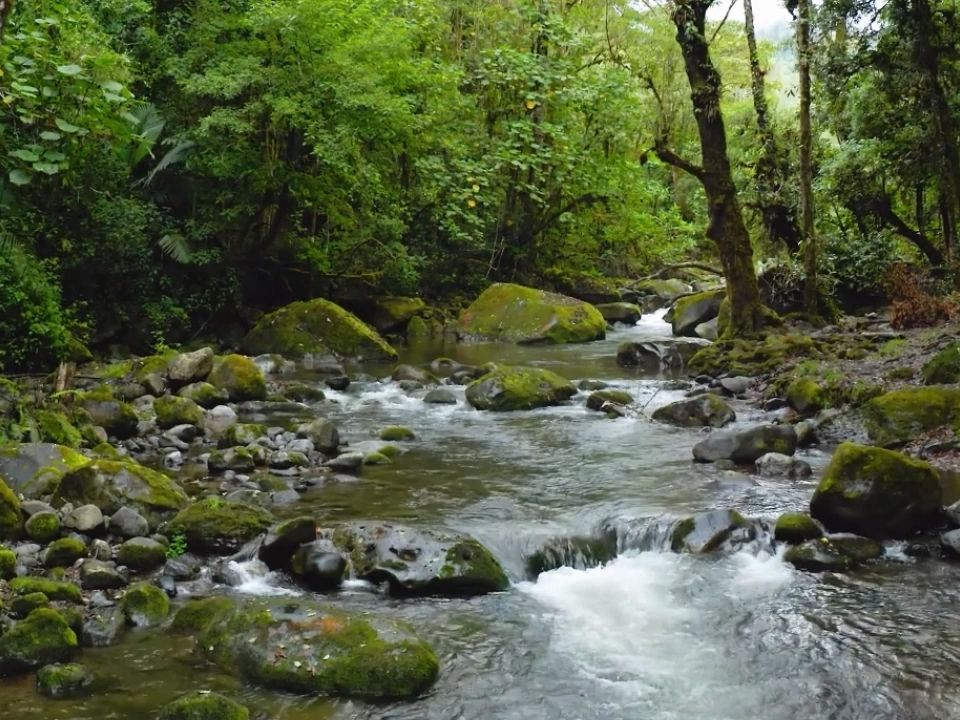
(810, 294)
(5, 7)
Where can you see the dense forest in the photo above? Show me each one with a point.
(164, 164)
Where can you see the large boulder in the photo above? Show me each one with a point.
(514, 313)
(191, 367)
(111, 485)
(213, 525)
(665, 291)
(902, 415)
(173, 410)
(42, 638)
(746, 446)
(316, 327)
(693, 310)
(240, 377)
(284, 538)
(705, 410)
(34, 469)
(519, 388)
(806, 396)
(115, 416)
(878, 493)
(620, 312)
(419, 562)
(392, 313)
(319, 565)
(301, 647)
(654, 356)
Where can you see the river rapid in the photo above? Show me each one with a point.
(652, 635)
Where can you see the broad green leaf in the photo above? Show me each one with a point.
(65, 126)
(69, 70)
(46, 168)
(50, 135)
(25, 155)
(54, 156)
(19, 177)
(111, 86)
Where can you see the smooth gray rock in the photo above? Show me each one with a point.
(746, 446)
(128, 523)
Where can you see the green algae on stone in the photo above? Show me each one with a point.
(198, 614)
(753, 357)
(204, 394)
(145, 605)
(56, 590)
(23, 605)
(8, 563)
(42, 638)
(692, 310)
(833, 554)
(392, 313)
(240, 377)
(173, 410)
(141, 554)
(877, 493)
(242, 434)
(596, 400)
(397, 433)
(794, 528)
(902, 415)
(316, 327)
(204, 705)
(519, 388)
(35, 469)
(43, 527)
(514, 313)
(944, 367)
(118, 418)
(64, 552)
(63, 680)
(806, 396)
(11, 519)
(53, 426)
(213, 525)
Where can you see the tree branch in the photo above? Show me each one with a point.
(671, 158)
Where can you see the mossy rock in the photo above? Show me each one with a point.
(514, 313)
(54, 589)
(198, 614)
(705, 410)
(833, 554)
(22, 605)
(8, 563)
(519, 388)
(173, 410)
(692, 310)
(795, 528)
(44, 637)
(141, 554)
(34, 470)
(316, 327)
(668, 289)
(145, 605)
(397, 433)
(240, 377)
(212, 525)
(60, 681)
(204, 394)
(11, 519)
(392, 313)
(596, 400)
(43, 527)
(64, 552)
(944, 367)
(204, 705)
(806, 396)
(327, 652)
(376, 458)
(753, 357)
(118, 418)
(878, 493)
(902, 415)
(54, 426)
(711, 532)
(242, 434)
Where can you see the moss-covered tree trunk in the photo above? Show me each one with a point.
(811, 300)
(726, 226)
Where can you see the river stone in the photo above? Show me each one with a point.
(777, 465)
(42, 638)
(204, 705)
(350, 462)
(712, 531)
(580, 553)
(204, 394)
(414, 374)
(240, 377)
(323, 433)
(878, 493)
(903, 415)
(440, 396)
(212, 525)
(128, 523)
(392, 313)
(235, 459)
(111, 485)
(795, 528)
(142, 554)
(34, 469)
(693, 310)
(706, 410)
(220, 419)
(746, 446)
(735, 386)
(519, 388)
(84, 519)
(11, 518)
(43, 527)
(806, 396)
(326, 651)
(173, 410)
(63, 681)
(950, 544)
(601, 399)
(284, 538)
(115, 416)
(656, 355)
(102, 626)
(64, 552)
(242, 434)
(29, 508)
(97, 575)
(419, 562)
(319, 565)
(620, 312)
(191, 367)
(806, 433)
(835, 553)
(709, 330)
(337, 382)
(145, 605)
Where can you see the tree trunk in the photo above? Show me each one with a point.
(5, 7)
(726, 227)
(811, 300)
(778, 218)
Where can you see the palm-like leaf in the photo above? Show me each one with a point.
(175, 246)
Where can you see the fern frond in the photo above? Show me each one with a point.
(176, 247)
(173, 156)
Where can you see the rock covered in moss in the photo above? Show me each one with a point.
(620, 312)
(11, 520)
(54, 426)
(173, 410)
(242, 434)
(711, 532)
(204, 394)
(705, 410)
(44, 637)
(240, 377)
(34, 469)
(64, 552)
(43, 527)
(212, 525)
(944, 367)
(419, 562)
(519, 388)
(326, 652)
(877, 493)
(142, 554)
(746, 446)
(836, 553)
(316, 327)
(392, 313)
(197, 614)
(145, 605)
(902, 415)
(397, 433)
(597, 400)
(806, 396)
(204, 706)
(514, 313)
(236, 459)
(53, 589)
(8, 563)
(795, 528)
(98, 575)
(118, 418)
(284, 538)
(693, 310)
(63, 681)
(23, 605)
(111, 485)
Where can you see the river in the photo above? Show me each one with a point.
(652, 635)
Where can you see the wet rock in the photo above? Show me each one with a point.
(102, 626)
(806, 396)
(659, 355)
(84, 519)
(777, 465)
(712, 531)
(746, 446)
(323, 433)
(620, 312)
(347, 462)
(220, 419)
(97, 575)
(702, 411)
(693, 310)
(795, 528)
(878, 493)
(240, 377)
(327, 652)
(64, 552)
(709, 330)
(411, 373)
(212, 525)
(128, 523)
(191, 367)
(836, 553)
(580, 553)
(204, 394)
(34, 469)
(173, 410)
(44, 637)
(514, 313)
(115, 416)
(63, 681)
(300, 392)
(284, 538)
(182, 568)
(242, 434)
(43, 527)
(397, 433)
(204, 705)
(592, 385)
(419, 562)
(735, 386)
(142, 554)
(235, 459)
(319, 566)
(518, 388)
(338, 382)
(145, 605)
(950, 544)
(440, 396)
(806, 433)
(597, 400)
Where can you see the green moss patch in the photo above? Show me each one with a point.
(212, 525)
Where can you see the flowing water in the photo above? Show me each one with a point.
(652, 635)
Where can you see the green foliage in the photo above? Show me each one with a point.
(177, 546)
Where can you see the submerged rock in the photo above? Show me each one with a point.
(580, 553)
(519, 388)
(63, 681)
(514, 313)
(746, 446)
(705, 410)
(836, 553)
(102, 626)
(302, 647)
(878, 493)
(712, 531)
(204, 705)
(600, 399)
